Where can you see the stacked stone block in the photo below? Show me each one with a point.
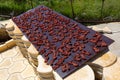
(22, 42)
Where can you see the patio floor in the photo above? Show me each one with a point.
(13, 66)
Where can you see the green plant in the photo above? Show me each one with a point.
(79, 9)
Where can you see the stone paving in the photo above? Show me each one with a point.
(13, 66)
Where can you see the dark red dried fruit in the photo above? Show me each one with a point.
(75, 64)
(60, 61)
(54, 54)
(86, 32)
(66, 41)
(85, 52)
(55, 67)
(28, 32)
(40, 42)
(77, 57)
(46, 59)
(83, 56)
(55, 39)
(94, 40)
(81, 37)
(42, 51)
(96, 49)
(65, 67)
(103, 44)
(61, 38)
(60, 50)
(76, 48)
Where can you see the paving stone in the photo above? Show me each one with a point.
(6, 63)
(30, 78)
(17, 49)
(106, 59)
(112, 72)
(28, 72)
(1, 58)
(18, 57)
(9, 53)
(37, 78)
(4, 74)
(115, 47)
(15, 76)
(18, 66)
(26, 62)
